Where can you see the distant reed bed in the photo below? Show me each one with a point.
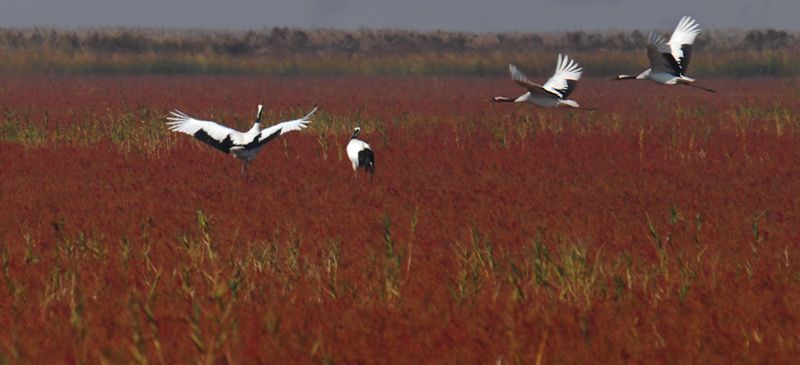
(324, 52)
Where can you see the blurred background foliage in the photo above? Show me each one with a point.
(320, 52)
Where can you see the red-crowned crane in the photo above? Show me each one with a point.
(360, 154)
(669, 61)
(242, 145)
(554, 92)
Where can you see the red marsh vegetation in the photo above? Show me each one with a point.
(662, 228)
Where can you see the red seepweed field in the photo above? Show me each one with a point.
(662, 228)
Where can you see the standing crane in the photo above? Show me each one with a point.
(360, 154)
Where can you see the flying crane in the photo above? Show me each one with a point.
(669, 61)
(242, 145)
(554, 92)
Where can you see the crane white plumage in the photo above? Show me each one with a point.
(242, 145)
(554, 92)
(669, 61)
(360, 154)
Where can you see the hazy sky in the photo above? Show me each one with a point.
(467, 15)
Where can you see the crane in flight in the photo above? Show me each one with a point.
(670, 60)
(242, 145)
(554, 92)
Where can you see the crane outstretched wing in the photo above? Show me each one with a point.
(566, 77)
(523, 81)
(270, 133)
(673, 57)
(208, 132)
(680, 43)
